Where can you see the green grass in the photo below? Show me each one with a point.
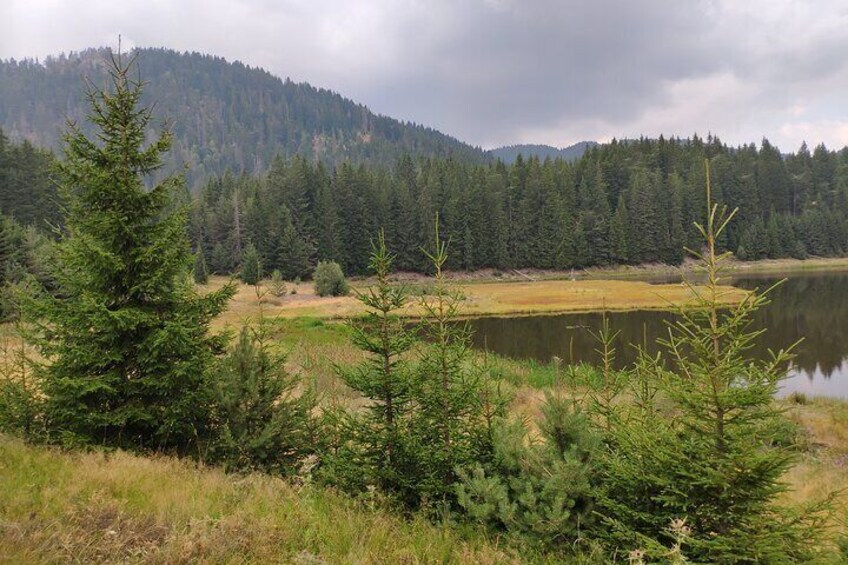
(60, 507)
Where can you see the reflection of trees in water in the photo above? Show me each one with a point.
(810, 307)
(813, 306)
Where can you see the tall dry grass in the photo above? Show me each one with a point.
(59, 507)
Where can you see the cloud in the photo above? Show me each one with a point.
(504, 71)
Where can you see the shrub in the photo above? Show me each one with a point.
(797, 397)
(329, 279)
(539, 489)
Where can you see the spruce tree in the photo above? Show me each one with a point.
(125, 340)
(263, 419)
(251, 266)
(293, 253)
(700, 453)
(456, 410)
(382, 433)
(537, 485)
(618, 233)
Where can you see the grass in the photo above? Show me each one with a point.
(481, 299)
(60, 507)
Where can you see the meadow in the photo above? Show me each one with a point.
(480, 298)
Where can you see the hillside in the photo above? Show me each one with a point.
(508, 154)
(224, 115)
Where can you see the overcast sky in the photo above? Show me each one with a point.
(494, 72)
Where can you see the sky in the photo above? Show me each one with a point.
(500, 72)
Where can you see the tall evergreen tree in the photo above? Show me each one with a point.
(201, 271)
(125, 341)
(619, 228)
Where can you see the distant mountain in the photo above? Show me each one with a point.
(509, 153)
(224, 115)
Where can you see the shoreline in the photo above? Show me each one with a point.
(481, 299)
(630, 272)
(491, 293)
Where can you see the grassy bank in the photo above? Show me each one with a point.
(511, 298)
(491, 293)
(60, 507)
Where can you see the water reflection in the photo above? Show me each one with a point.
(812, 306)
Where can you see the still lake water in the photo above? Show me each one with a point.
(813, 306)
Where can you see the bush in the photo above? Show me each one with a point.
(539, 489)
(797, 397)
(329, 279)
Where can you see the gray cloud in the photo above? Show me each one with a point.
(506, 71)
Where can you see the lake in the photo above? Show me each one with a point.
(813, 306)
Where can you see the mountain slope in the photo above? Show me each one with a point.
(510, 153)
(224, 115)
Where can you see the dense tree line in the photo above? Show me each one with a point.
(225, 115)
(26, 192)
(625, 202)
(28, 207)
(622, 203)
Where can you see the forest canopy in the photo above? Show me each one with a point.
(626, 202)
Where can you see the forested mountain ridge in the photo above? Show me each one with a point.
(509, 153)
(224, 115)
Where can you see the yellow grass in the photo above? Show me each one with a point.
(823, 468)
(481, 299)
(60, 507)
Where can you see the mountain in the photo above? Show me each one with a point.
(510, 153)
(224, 115)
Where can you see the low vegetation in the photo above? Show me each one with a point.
(90, 507)
(329, 279)
(478, 299)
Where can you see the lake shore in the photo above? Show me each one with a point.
(480, 299)
(490, 292)
(648, 271)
